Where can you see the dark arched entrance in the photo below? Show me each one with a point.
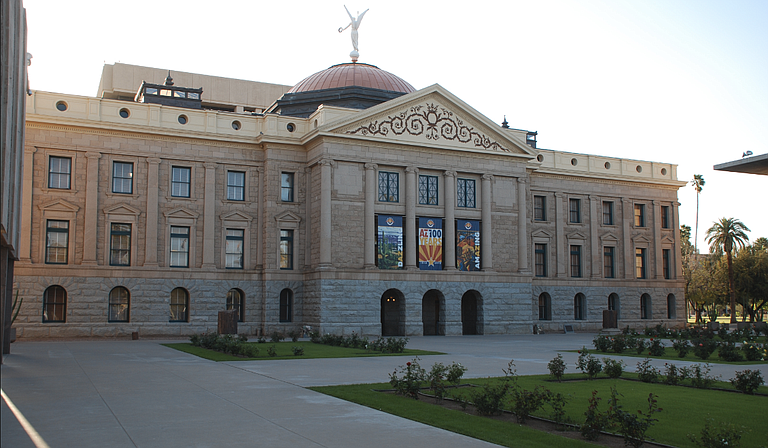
(392, 313)
(469, 313)
(432, 313)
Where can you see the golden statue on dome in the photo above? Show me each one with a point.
(355, 24)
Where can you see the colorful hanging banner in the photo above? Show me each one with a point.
(467, 245)
(430, 244)
(390, 242)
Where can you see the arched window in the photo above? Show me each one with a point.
(545, 307)
(671, 311)
(179, 305)
(55, 304)
(286, 305)
(645, 307)
(614, 304)
(579, 307)
(236, 301)
(119, 304)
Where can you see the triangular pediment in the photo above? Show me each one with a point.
(181, 213)
(641, 239)
(59, 205)
(541, 234)
(609, 237)
(668, 240)
(122, 209)
(431, 117)
(236, 216)
(288, 217)
(576, 236)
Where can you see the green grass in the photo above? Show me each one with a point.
(684, 410)
(311, 350)
(671, 354)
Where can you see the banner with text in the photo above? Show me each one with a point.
(430, 244)
(390, 230)
(467, 245)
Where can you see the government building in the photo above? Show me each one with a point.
(350, 202)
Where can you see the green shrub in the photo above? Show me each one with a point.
(633, 426)
(682, 347)
(526, 402)
(249, 351)
(411, 377)
(588, 364)
(674, 375)
(276, 337)
(704, 347)
(747, 381)
(195, 340)
(646, 372)
(294, 335)
(489, 398)
(557, 401)
(754, 351)
(436, 379)
(272, 351)
(700, 377)
(721, 435)
(602, 343)
(619, 343)
(640, 346)
(297, 350)
(455, 373)
(655, 347)
(557, 367)
(595, 421)
(613, 368)
(729, 352)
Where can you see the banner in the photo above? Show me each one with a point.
(390, 242)
(467, 245)
(430, 244)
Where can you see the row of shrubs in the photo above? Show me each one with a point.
(701, 347)
(748, 333)
(235, 345)
(384, 345)
(746, 381)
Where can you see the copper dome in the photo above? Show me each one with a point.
(353, 74)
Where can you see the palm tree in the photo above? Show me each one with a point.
(722, 237)
(698, 184)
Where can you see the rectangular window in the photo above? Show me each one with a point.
(235, 185)
(575, 261)
(607, 213)
(180, 181)
(59, 172)
(665, 256)
(574, 206)
(608, 271)
(57, 242)
(286, 249)
(640, 262)
(639, 215)
(389, 187)
(541, 260)
(122, 177)
(427, 190)
(120, 245)
(465, 193)
(539, 208)
(286, 187)
(179, 247)
(664, 216)
(234, 249)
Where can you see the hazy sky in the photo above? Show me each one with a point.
(682, 82)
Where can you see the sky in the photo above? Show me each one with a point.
(673, 81)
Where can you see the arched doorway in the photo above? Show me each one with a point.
(392, 313)
(614, 304)
(470, 312)
(432, 313)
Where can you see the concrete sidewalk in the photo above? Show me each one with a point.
(141, 394)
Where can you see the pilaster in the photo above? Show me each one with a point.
(450, 221)
(522, 226)
(486, 242)
(410, 218)
(90, 231)
(209, 215)
(153, 190)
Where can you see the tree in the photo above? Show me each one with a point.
(686, 256)
(750, 270)
(698, 184)
(722, 237)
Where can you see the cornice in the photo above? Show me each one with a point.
(629, 182)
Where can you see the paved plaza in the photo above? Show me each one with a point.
(122, 393)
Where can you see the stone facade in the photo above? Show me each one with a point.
(296, 198)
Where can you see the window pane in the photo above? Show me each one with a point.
(118, 305)
(286, 187)
(180, 181)
(122, 177)
(59, 172)
(286, 249)
(57, 242)
(235, 186)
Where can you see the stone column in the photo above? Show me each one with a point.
(262, 202)
(326, 166)
(25, 234)
(449, 245)
(486, 239)
(90, 230)
(522, 226)
(676, 253)
(370, 211)
(594, 224)
(560, 218)
(153, 190)
(308, 220)
(657, 255)
(209, 218)
(410, 218)
(627, 217)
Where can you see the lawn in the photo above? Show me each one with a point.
(671, 354)
(685, 410)
(285, 351)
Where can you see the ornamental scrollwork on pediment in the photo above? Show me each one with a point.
(432, 121)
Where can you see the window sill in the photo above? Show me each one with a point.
(112, 194)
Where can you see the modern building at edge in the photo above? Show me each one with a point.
(350, 202)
